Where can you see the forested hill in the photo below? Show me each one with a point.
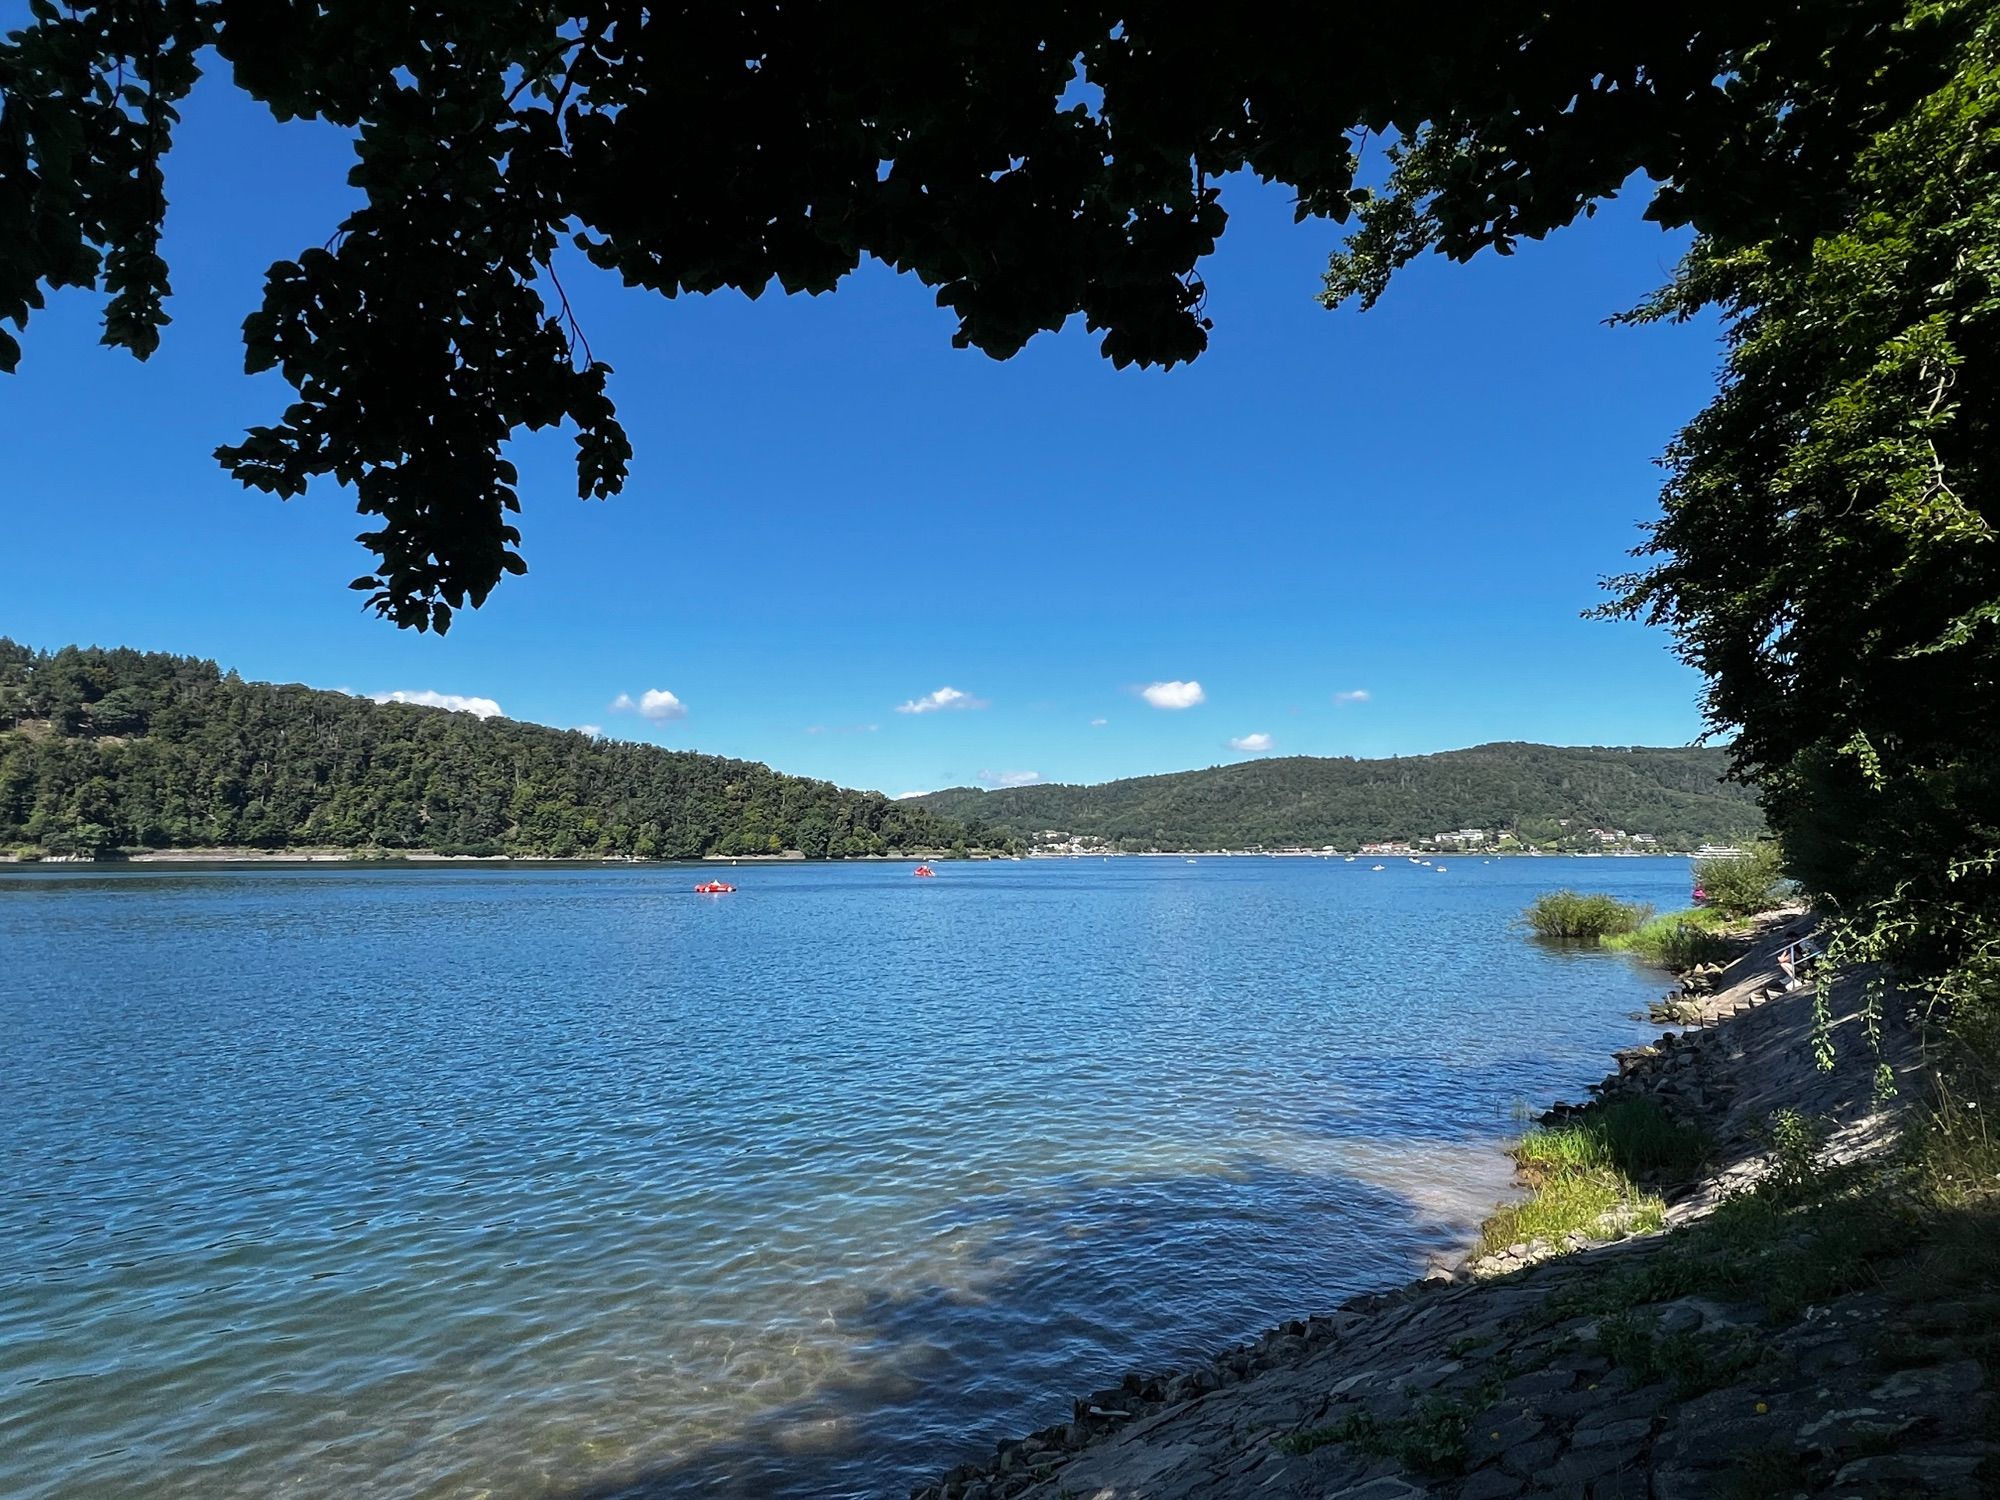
(1544, 795)
(103, 750)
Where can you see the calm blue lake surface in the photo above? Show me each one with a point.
(566, 1182)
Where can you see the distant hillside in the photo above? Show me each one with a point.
(1677, 796)
(104, 750)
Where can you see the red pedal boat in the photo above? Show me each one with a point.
(713, 888)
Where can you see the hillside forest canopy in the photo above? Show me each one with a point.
(108, 750)
(1826, 553)
(1534, 796)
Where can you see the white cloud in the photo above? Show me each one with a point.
(485, 708)
(944, 697)
(1253, 744)
(1173, 694)
(906, 796)
(1099, 723)
(1356, 695)
(1010, 778)
(595, 731)
(656, 704)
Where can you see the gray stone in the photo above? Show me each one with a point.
(1538, 1383)
(1911, 1474)
(1581, 1465)
(1854, 1427)
(1682, 1484)
(1626, 1484)
(1385, 1488)
(1629, 1433)
(1530, 1460)
(1716, 1443)
(1431, 1379)
(1569, 1404)
(1491, 1484)
(1492, 1436)
(1959, 1378)
(1717, 1316)
(1680, 1317)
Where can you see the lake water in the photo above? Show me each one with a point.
(566, 1182)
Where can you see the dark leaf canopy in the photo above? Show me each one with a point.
(1031, 162)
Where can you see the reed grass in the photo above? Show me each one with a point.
(1578, 917)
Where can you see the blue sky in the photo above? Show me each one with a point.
(833, 514)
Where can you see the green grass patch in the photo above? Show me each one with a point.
(1677, 941)
(1430, 1440)
(1630, 1136)
(1803, 1237)
(1575, 1202)
(1582, 1173)
(1578, 917)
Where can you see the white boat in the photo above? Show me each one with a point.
(1381, 867)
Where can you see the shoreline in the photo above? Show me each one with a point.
(328, 856)
(234, 856)
(1487, 1378)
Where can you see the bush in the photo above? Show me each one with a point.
(1742, 885)
(1573, 917)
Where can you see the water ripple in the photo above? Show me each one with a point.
(559, 1183)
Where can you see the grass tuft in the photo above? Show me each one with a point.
(1677, 941)
(1573, 1202)
(1582, 1174)
(1632, 1136)
(1576, 917)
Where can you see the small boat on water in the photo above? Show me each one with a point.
(924, 872)
(1381, 867)
(713, 888)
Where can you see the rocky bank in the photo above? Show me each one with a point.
(1748, 1349)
